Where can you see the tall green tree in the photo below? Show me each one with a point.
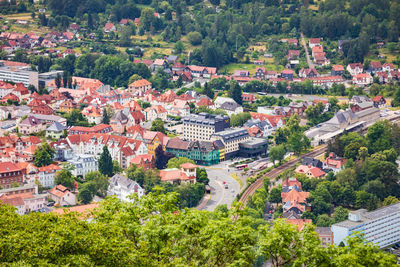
(106, 163)
(105, 119)
(277, 153)
(235, 92)
(65, 178)
(44, 155)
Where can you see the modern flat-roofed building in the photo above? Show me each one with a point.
(253, 147)
(200, 127)
(381, 226)
(19, 76)
(231, 139)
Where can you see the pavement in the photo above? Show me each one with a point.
(220, 175)
(310, 63)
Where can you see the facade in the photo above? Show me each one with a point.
(19, 76)
(56, 130)
(46, 175)
(31, 125)
(122, 188)
(381, 226)
(83, 164)
(202, 126)
(326, 235)
(231, 138)
(253, 147)
(62, 196)
(10, 173)
(101, 128)
(202, 152)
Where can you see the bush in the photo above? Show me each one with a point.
(194, 38)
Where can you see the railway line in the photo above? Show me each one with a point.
(276, 171)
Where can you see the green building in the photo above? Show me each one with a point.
(202, 152)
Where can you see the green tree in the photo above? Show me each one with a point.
(158, 126)
(85, 194)
(194, 38)
(106, 163)
(65, 178)
(240, 119)
(277, 153)
(125, 36)
(44, 155)
(179, 47)
(106, 118)
(340, 214)
(235, 92)
(202, 176)
(390, 200)
(208, 91)
(275, 195)
(177, 162)
(116, 167)
(100, 182)
(323, 220)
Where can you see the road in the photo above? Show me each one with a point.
(218, 174)
(303, 41)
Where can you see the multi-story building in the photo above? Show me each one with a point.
(83, 164)
(47, 173)
(19, 76)
(122, 149)
(231, 139)
(202, 152)
(202, 126)
(381, 226)
(10, 173)
(122, 188)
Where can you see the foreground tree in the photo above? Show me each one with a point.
(65, 178)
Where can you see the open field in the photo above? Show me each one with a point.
(230, 68)
(21, 16)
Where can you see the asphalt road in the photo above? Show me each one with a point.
(310, 63)
(218, 174)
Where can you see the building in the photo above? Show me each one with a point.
(10, 174)
(55, 131)
(337, 70)
(355, 68)
(139, 87)
(101, 128)
(202, 152)
(334, 163)
(27, 194)
(123, 188)
(187, 174)
(46, 174)
(31, 125)
(62, 196)
(362, 79)
(146, 161)
(379, 101)
(231, 138)
(18, 75)
(381, 226)
(326, 235)
(202, 126)
(253, 147)
(83, 164)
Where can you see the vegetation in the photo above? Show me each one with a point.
(106, 163)
(43, 155)
(122, 234)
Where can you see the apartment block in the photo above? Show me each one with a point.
(19, 76)
(202, 126)
(381, 226)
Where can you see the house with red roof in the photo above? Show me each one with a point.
(248, 97)
(109, 27)
(42, 109)
(146, 161)
(139, 87)
(374, 66)
(379, 101)
(46, 174)
(334, 162)
(287, 74)
(388, 67)
(100, 128)
(62, 196)
(10, 174)
(355, 68)
(205, 101)
(310, 171)
(362, 79)
(308, 73)
(187, 174)
(155, 112)
(299, 223)
(314, 42)
(200, 71)
(296, 201)
(337, 70)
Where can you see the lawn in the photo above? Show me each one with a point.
(21, 16)
(230, 68)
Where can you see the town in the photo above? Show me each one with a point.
(135, 106)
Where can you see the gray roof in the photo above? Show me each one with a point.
(204, 118)
(366, 104)
(370, 216)
(312, 162)
(32, 121)
(360, 98)
(231, 106)
(203, 146)
(56, 127)
(232, 134)
(118, 179)
(323, 230)
(120, 117)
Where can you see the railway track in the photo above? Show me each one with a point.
(276, 171)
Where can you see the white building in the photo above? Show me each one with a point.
(231, 139)
(83, 164)
(201, 126)
(122, 188)
(19, 76)
(381, 226)
(46, 175)
(62, 196)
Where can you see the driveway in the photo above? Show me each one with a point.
(220, 176)
(310, 63)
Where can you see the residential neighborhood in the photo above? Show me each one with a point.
(127, 119)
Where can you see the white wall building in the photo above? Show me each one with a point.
(231, 139)
(122, 188)
(19, 76)
(381, 226)
(46, 175)
(83, 164)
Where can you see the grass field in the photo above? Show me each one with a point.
(230, 68)
(21, 16)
